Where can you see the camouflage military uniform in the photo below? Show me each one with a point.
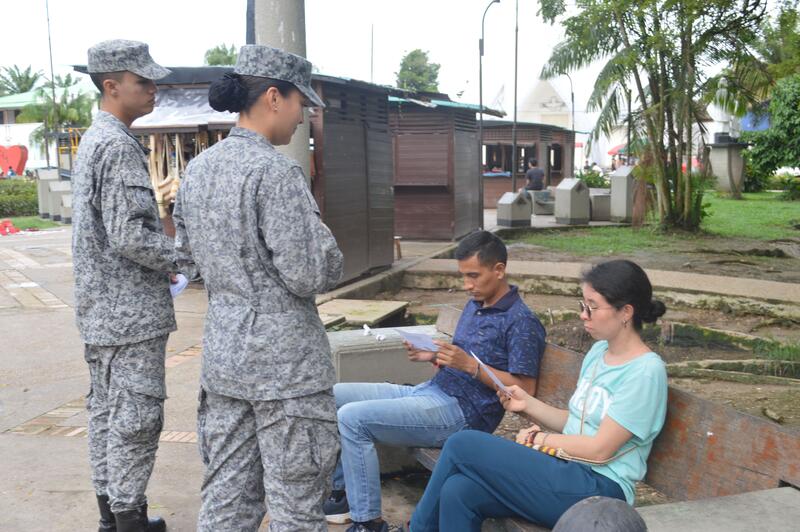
(123, 305)
(266, 419)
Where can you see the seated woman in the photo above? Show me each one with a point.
(601, 442)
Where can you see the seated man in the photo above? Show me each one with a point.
(534, 176)
(497, 326)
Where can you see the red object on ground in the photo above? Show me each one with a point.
(14, 157)
(7, 227)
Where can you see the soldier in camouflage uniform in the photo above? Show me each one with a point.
(245, 214)
(122, 261)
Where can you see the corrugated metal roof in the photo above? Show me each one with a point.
(205, 75)
(18, 101)
(433, 103)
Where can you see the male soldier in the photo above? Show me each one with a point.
(122, 265)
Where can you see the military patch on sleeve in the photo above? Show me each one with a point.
(143, 198)
(312, 200)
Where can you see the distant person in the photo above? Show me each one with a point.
(596, 168)
(11, 172)
(535, 176)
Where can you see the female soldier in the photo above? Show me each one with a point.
(603, 439)
(245, 215)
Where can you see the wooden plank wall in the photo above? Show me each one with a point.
(466, 183)
(423, 175)
(354, 164)
(381, 198)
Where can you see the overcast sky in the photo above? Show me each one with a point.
(337, 36)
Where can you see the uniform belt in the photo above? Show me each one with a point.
(265, 303)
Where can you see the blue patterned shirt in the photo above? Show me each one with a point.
(507, 336)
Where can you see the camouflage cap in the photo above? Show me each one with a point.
(267, 62)
(119, 55)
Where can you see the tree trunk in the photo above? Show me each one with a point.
(688, 215)
(655, 143)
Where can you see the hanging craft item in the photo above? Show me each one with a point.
(200, 142)
(167, 164)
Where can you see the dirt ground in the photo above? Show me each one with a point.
(753, 399)
(734, 257)
(428, 303)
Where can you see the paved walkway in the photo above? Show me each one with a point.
(669, 280)
(45, 481)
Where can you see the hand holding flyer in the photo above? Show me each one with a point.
(490, 373)
(422, 342)
(180, 283)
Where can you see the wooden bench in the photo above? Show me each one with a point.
(705, 451)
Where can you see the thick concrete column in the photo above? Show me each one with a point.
(282, 24)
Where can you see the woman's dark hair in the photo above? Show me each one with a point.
(488, 246)
(623, 282)
(236, 93)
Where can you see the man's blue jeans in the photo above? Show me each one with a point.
(370, 413)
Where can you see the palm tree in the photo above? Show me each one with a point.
(747, 82)
(13, 80)
(70, 109)
(655, 52)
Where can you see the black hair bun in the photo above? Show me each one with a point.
(228, 94)
(656, 310)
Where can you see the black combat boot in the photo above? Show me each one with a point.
(107, 522)
(137, 521)
(130, 521)
(154, 524)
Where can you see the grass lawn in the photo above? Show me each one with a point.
(760, 216)
(601, 241)
(32, 222)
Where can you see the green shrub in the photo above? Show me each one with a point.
(775, 182)
(18, 198)
(593, 179)
(791, 187)
(755, 179)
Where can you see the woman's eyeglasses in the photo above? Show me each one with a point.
(588, 310)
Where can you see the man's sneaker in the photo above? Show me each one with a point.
(336, 509)
(370, 526)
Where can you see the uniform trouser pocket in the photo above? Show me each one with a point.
(135, 416)
(311, 441)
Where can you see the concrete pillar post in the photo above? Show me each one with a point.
(282, 24)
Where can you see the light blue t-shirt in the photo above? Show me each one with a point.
(634, 395)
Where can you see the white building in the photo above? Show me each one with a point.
(14, 134)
